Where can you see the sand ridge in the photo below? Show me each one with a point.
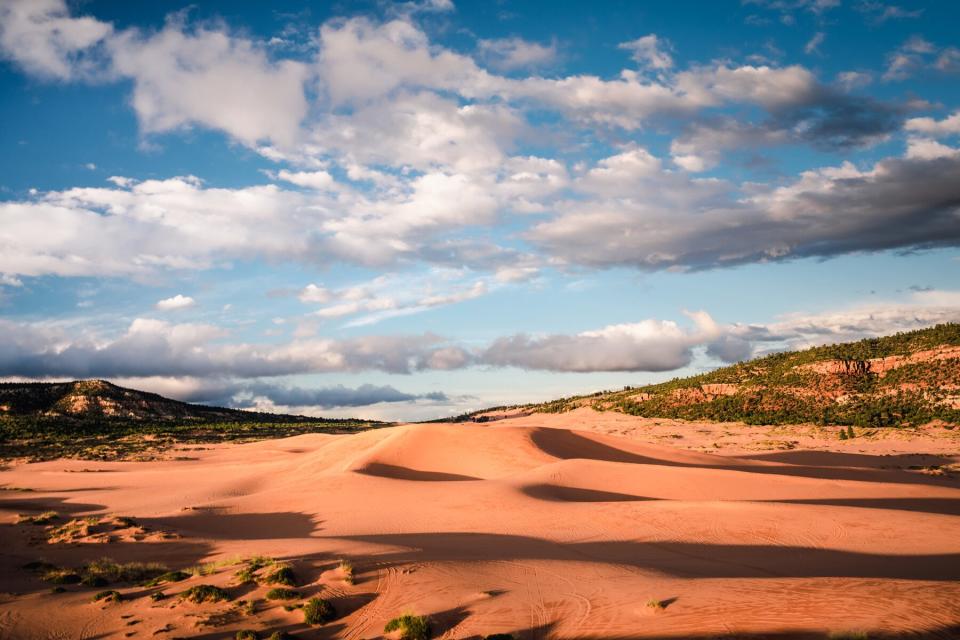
(526, 525)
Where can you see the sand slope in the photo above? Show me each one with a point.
(523, 526)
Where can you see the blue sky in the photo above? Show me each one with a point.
(415, 209)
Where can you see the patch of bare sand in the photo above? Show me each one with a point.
(560, 525)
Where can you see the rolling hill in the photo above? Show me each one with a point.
(98, 419)
(101, 400)
(907, 378)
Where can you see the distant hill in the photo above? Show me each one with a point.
(99, 400)
(94, 419)
(907, 378)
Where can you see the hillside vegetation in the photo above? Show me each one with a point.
(99, 420)
(904, 379)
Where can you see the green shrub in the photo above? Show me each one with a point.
(410, 627)
(246, 634)
(281, 574)
(159, 595)
(346, 568)
(279, 593)
(62, 576)
(112, 571)
(107, 596)
(205, 593)
(317, 611)
(44, 518)
(656, 605)
(169, 576)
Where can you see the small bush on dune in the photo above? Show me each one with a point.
(205, 593)
(281, 635)
(410, 627)
(94, 581)
(159, 595)
(280, 593)
(107, 596)
(246, 634)
(62, 576)
(317, 611)
(112, 571)
(169, 576)
(281, 574)
(656, 605)
(346, 569)
(44, 518)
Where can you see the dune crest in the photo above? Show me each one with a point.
(524, 525)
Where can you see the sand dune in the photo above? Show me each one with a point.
(524, 526)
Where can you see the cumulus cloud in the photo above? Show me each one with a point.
(176, 303)
(42, 37)
(211, 78)
(508, 54)
(929, 126)
(655, 219)
(650, 345)
(650, 51)
(393, 295)
(152, 347)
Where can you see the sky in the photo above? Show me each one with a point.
(407, 211)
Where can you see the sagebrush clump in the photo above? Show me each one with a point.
(411, 627)
(205, 593)
(318, 611)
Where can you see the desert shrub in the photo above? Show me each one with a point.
(281, 635)
(411, 627)
(62, 576)
(94, 581)
(205, 593)
(280, 593)
(246, 634)
(112, 571)
(850, 433)
(107, 596)
(346, 569)
(169, 576)
(280, 574)
(157, 596)
(318, 611)
(46, 517)
(57, 590)
(656, 605)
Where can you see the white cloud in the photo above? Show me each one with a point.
(650, 345)
(946, 127)
(314, 294)
(212, 79)
(649, 51)
(653, 218)
(813, 45)
(176, 303)
(41, 36)
(516, 53)
(309, 179)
